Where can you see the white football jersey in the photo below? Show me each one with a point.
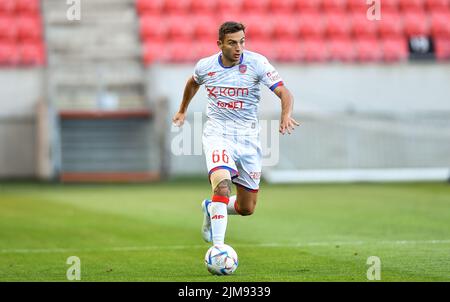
(234, 92)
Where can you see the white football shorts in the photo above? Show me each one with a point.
(241, 155)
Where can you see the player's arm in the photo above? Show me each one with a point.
(287, 123)
(190, 90)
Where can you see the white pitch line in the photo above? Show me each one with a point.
(182, 247)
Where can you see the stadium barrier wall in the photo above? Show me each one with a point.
(20, 91)
(408, 89)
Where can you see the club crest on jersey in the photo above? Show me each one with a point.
(242, 68)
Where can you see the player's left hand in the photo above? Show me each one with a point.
(287, 124)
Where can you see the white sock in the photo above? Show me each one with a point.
(231, 207)
(219, 217)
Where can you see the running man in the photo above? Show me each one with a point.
(231, 133)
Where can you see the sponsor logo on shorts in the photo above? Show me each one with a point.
(255, 175)
(218, 217)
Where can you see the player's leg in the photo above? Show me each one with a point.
(221, 187)
(247, 181)
(244, 202)
(222, 169)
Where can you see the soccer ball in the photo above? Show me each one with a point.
(221, 260)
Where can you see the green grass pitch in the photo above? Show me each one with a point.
(151, 232)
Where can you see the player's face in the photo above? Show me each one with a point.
(232, 46)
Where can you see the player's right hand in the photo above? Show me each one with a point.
(178, 119)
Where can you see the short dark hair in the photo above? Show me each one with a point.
(230, 27)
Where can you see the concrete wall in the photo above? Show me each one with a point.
(19, 92)
(399, 88)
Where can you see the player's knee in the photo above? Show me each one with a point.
(247, 209)
(221, 182)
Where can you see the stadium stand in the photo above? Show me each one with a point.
(102, 57)
(21, 33)
(339, 27)
(286, 6)
(368, 50)
(95, 92)
(392, 25)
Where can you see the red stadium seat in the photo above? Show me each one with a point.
(437, 5)
(32, 54)
(21, 33)
(285, 26)
(153, 27)
(231, 16)
(338, 24)
(389, 6)
(368, 50)
(206, 27)
(311, 24)
(177, 6)
(154, 52)
(28, 6)
(7, 6)
(8, 54)
(181, 27)
(357, 6)
(285, 6)
(315, 50)
(258, 26)
(412, 5)
(362, 27)
(150, 6)
(180, 51)
(262, 46)
(205, 48)
(288, 50)
(440, 25)
(255, 6)
(8, 30)
(341, 49)
(203, 7)
(29, 28)
(416, 24)
(334, 5)
(395, 49)
(309, 5)
(225, 16)
(229, 6)
(442, 48)
(390, 25)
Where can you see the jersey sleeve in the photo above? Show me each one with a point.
(268, 75)
(199, 73)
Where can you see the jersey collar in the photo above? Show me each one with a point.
(219, 58)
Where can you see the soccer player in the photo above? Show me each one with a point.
(231, 133)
